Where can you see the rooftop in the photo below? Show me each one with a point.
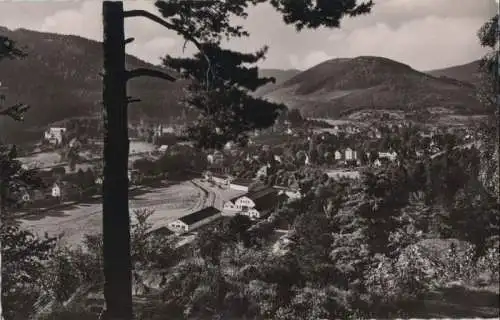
(199, 215)
(242, 182)
(266, 201)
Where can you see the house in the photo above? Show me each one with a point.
(338, 155)
(388, 155)
(230, 208)
(240, 184)
(254, 205)
(54, 135)
(56, 190)
(259, 204)
(350, 155)
(216, 157)
(262, 172)
(194, 220)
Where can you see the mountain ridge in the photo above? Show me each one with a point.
(71, 65)
(338, 87)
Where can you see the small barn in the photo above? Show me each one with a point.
(194, 220)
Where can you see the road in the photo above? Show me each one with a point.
(217, 196)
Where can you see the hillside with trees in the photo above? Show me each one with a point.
(72, 65)
(340, 87)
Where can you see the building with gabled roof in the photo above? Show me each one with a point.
(257, 204)
(194, 220)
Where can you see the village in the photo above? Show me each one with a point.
(252, 180)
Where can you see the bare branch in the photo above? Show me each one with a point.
(148, 73)
(187, 36)
(132, 100)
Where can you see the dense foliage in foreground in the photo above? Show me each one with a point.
(365, 250)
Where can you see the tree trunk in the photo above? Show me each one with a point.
(116, 221)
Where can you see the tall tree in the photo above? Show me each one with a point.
(218, 91)
(488, 92)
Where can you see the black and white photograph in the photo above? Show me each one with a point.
(249, 159)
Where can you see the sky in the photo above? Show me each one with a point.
(425, 34)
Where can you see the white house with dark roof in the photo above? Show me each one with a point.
(230, 208)
(194, 220)
(257, 204)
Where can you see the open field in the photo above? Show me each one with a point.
(141, 146)
(52, 158)
(42, 159)
(168, 203)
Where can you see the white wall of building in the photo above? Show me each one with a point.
(244, 202)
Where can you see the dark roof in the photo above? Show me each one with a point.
(164, 231)
(242, 182)
(264, 199)
(266, 202)
(255, 194)
(233, 199)
(199, 215)
(282, 197)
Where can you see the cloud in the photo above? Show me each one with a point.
(428, 43)
(153, 51)
(423, 33)
(151, 40)
(310, 60)
(76, 21)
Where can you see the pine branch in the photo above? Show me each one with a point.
(148, 73)
(16, 111)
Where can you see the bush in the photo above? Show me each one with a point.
(402, 279)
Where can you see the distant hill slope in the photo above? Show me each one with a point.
(467, 72)
(59, 78)
(342, 86)
(280, 76)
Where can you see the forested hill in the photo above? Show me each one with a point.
(59, 78)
